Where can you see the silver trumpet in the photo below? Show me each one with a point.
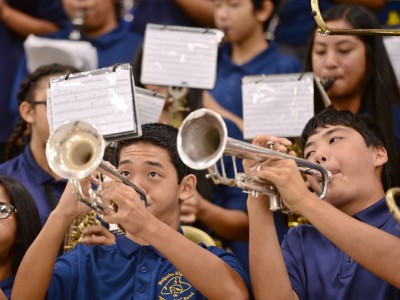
(203, 140)
(75, 151)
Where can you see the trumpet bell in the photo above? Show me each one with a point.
(201, 139)
(75, 150)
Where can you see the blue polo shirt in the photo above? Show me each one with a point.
(116, 46)
(125, 270)
(36, 180)
(319, 270)
(6, 285)
(228, 87)
(11, 49)
(165, 12)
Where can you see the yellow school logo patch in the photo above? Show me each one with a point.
(173, 284)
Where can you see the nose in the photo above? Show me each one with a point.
(331, 60)
(321, 155)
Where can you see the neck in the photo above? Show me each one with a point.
(352, 103)
(39, 155)
(94, 33)
(5, 269)
(244, 51)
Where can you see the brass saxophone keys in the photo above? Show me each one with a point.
(178, 105)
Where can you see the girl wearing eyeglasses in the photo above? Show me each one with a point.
(19, 226)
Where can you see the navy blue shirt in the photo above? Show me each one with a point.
(125, 270)
(6, 285)
(36, 180)
(165, 12)
(228, 87)
(319, 270)
(11, 49)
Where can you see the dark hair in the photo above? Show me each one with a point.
(28, 220)
(163, 136)
(21, 133)
(367, 128)
(380, 83)
(257, 4)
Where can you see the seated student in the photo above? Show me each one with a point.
(351, 248)
(28, 141)
(19, 226)
(364, 79)
(153, 260)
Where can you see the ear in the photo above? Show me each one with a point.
(26, 111)
(266, 11)
(381, 156)
(187, 187)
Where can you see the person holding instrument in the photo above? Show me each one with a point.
(154, 260)
(19, 226)
(363, 78)
(350, 250)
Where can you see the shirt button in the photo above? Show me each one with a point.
(141, 289)
(144, 269)
(349, 260)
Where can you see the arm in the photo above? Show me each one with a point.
(211, 276)
(2, 296)
(24, 24)
(200, 11)
(230, 224)
(35, 271)
(371, 4)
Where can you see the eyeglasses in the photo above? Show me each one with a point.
(6, 210)
(39, 102)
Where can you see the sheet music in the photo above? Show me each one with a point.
(150, 105)
(279, 105)
(104, 99)
(42, 51)
(392, 45)
(180, 56)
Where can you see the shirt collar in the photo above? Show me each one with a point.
(129, 247)
(40, 176)
(376, 215)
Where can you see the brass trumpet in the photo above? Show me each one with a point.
(202, 141)
(74, 151)
(391, 202)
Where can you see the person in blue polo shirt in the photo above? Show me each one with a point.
(18, 19)
(153, 260)
(25, 150)
(351, 249)
(19, 226)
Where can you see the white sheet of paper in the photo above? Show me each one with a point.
(392, 45)
(150, 105)
(180, 56)
(104, 100)
(43, 51)
(279, 105)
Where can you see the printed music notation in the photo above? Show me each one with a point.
(392, 45)
(180, 56)
(277, 104)
(150, 105)
(105, 100)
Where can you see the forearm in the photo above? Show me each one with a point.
(200, 11)
(371, 4)
(34, 274)
(229, 224)
(2, 296)
(372, 248)
(268, 271)
(24, 24)
(211, 276)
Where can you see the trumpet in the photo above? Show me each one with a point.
(74, 151)
(391, 202)
(202, 141)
